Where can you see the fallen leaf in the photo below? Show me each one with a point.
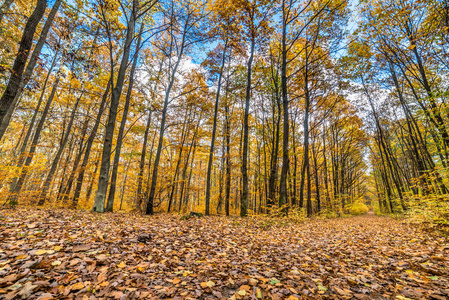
(176, 280)
(77, 286)
(41, 252)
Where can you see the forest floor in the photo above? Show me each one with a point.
(65, 254)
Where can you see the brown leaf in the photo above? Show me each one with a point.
(83, 247)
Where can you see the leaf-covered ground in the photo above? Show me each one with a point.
(73, 254)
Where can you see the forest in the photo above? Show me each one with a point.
(282, 122)
(225, 107)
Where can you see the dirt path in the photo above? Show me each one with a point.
(66, 254)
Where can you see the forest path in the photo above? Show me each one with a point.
(75, 254)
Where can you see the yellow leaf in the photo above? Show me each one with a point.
(57, 248)
(210, 284)
(176, 280)
(103, 284)
(56, 263)
(78, 286)
(241, 292)
(40, 252)
(142, 267)
(121, 265)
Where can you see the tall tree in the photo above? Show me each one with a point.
(7, 99)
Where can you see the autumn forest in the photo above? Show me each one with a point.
(224, 149)
(225, 107)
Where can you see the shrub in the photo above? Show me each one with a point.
(358, 208)
(432, 211)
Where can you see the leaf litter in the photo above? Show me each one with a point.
(63, 254)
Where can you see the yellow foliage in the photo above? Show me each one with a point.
(358, 208)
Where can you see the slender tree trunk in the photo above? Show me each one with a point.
(285, 159)
(89, 143)
(81, 149)
(30, 66)
(306, 156)
(24, 171)
(186, 199)
(142, 163)
(124, 183)
(317, 183)
(119, 143)
(326, 183)
(228, 158)
(92, 179)
(22, 152)
(55, 163)
(274, 159)
(184, 134)
(149, 209)
(63, 183)
(192, 143)
(100, 197)
(295, 169)
(245, 189)
(214, 130)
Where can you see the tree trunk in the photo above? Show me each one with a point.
(285, 159)
(54, 165)
(142, 163)
(89, 143)
(118, 147)
(181, 199)
(24, 171)
(31, 64)
(317, 183)
(100, 197)
(306, 156)
(149, 209)
(22, 152)
(184, 134)
(214, 130)
(245, 190)
(81, 149)
(228, 157)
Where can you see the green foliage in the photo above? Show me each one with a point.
(358, 208)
